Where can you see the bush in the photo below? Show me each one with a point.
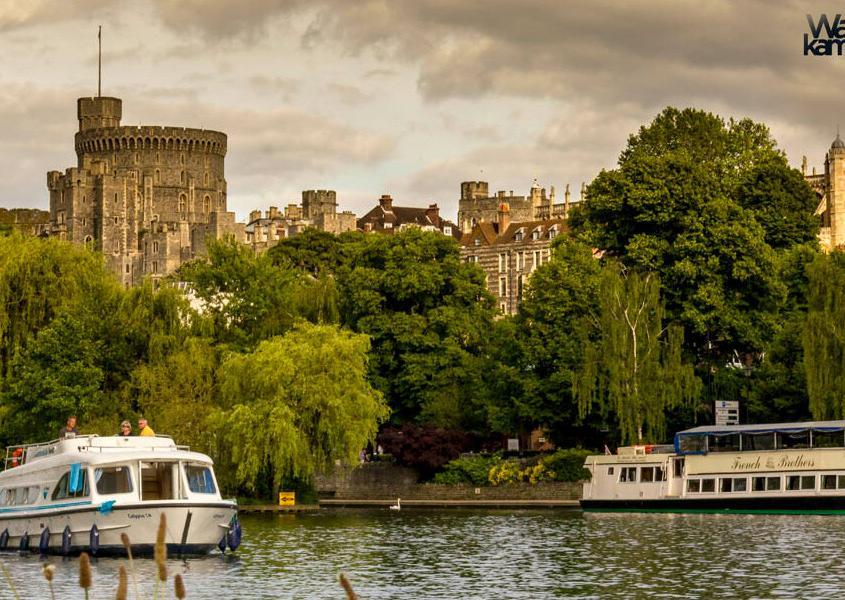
(471, 470)
(424, 448)
(567, 465)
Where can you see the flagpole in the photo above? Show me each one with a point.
(99, 61)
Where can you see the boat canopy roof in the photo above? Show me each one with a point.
(765, 428)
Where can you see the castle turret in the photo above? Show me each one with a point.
(835, 184)
(99, 113)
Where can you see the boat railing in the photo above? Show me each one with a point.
(23, 453)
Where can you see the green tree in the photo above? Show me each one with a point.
(636, 365)
(298, 403)
(705, 204)
(315, 252)
(428, 315)
(824, 336)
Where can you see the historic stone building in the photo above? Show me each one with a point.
(830, 187)
(385, 217)
(148, 197)
(509, 251)
(476, 205)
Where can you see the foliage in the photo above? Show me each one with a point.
(428, 314)
(567, 464)
(297, 403)
(823, 341)
(706, 204)
(635, 367)
(315, 252)
(424, 448)
(471, 470)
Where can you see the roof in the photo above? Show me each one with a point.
(490, 233)
(765, 428)
(398, 216)
(838, 143)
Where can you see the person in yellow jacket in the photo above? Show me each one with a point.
(143, 428)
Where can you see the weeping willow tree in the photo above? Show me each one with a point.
(296, 404)
(39, 279)
(824, 336)
(633, 365)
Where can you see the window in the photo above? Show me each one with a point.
(520, 261)
(828, 439)
(647, 474)
(678, 467)
(477, 242)
(552, 233)
(200, 480)
(796, 439)
(518, 236)
(447, 230)
(503, 287)
(182, 177)
(628, 474)
(155, 247)
(800, 482)
(610, 470)
(157, 176)
(694, 485)
(829, 482)
(113, 480)
(183, 203)
(127, 269)
(758, 441)
(535, 235)
(157, 481)
(723, 443)
(733, 484)
(503, 262)
(205, 178)
(206, 204)
(73, 484)
(708, 485)
(772, 484)
(115, 198)
(536, 256)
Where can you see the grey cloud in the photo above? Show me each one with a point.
(25, 13)
(282, 87)
(216, 19)
(348, 94)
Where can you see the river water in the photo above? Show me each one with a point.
(456, 554)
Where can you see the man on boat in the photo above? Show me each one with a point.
(69, 430)
(144, 429)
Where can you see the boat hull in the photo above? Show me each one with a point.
(191, 528)
(802, 505)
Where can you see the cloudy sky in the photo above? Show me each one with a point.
(407, 97)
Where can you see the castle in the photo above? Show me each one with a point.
(476, 205)
(830, 188)
(147, 197)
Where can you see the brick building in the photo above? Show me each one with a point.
(509, 251)
(387, 218)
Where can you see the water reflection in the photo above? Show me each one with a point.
(506, 554)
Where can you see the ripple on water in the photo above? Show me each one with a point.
(431, 554)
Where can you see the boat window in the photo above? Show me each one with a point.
(758, 441)
(733, 484)
(67, 488)
(808, 482)
(113, 480)
(693, 485)
(723, 443)
(33, 493)
(692, 444)
(610, 470)
(740, 484)
(21, 495)
(200, 480)
(157, 481)
(841, 482)
(646, 474)
(828, 482)
(628, 474)
(828, 439)
(758, 484)
(795, 439)
(800, 482)
(678, 467)
(725, 484)
(772, 484)
(708, 485)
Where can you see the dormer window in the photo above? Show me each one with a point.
(552, 233)
(477, 241)
(535, 235)
(519, 235)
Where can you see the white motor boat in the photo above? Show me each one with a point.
(80, 494)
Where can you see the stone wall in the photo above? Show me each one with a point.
(380, 481)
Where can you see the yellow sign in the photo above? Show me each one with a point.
(287, 498)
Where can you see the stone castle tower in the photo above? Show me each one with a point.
(147, 197)
(476, 205)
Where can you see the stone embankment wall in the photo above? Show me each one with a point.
(379, 481)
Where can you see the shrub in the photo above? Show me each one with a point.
(424, 448)
(471, 470)
(567, 465)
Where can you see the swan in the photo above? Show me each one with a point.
(398, 505)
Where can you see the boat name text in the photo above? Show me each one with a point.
(772, 462)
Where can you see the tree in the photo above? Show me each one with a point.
(297, 403)
(705, 204)
(824, 336)
(315, 252)
(428, 315)
(635, 366)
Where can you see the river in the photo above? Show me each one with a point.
(432, 554)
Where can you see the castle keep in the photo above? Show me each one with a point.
(146, 197)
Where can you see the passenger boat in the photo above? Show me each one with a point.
(774, 468)
(82, 493)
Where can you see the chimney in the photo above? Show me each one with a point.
(386, 202)
(566, 201)
(433, 214)
(504, 215)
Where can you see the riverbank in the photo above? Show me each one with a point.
(379, 484)
(508, 504)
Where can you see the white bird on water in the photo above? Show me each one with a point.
(398, 505)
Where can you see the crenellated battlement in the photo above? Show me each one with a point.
(150, 137)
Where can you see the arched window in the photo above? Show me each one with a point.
(205, 178)
(183, 204)
(182, 177)
(181, 159)
(206, 204)
(115, 198)
(157, 177)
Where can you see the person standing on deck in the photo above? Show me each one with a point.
(69, 430)
(144, 429)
